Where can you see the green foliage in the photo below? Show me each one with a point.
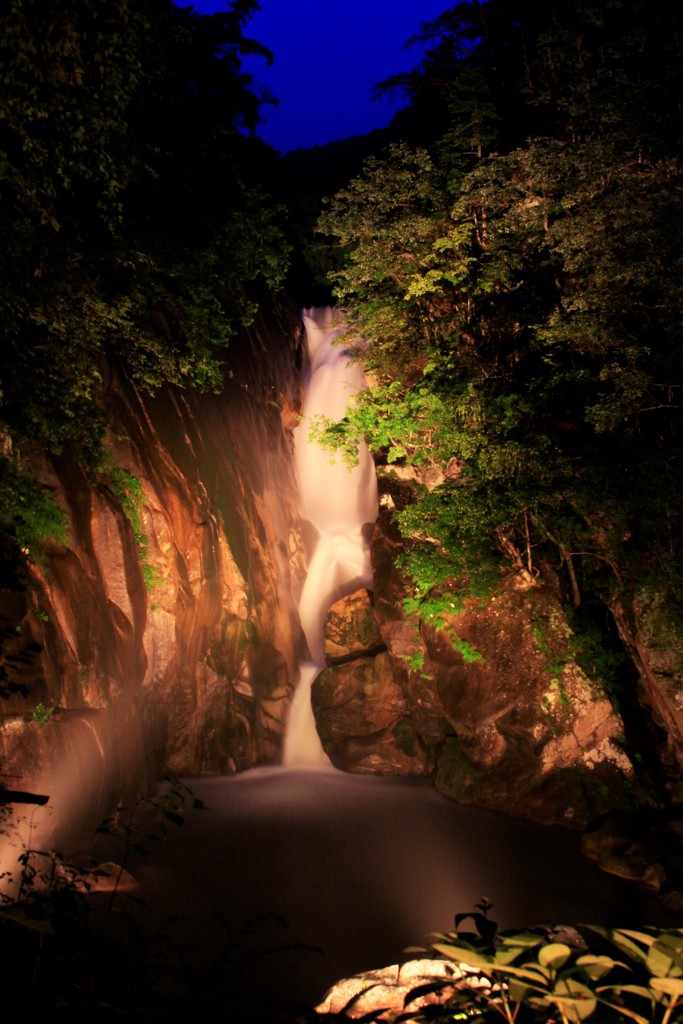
(415, 660)
(149, 820)
(387, 219)
(137, 218)
(128, 491)
(438, 612)
(541, 638)
(398, 422)
(468, 653)
(593, 973)
(42, 714)
(449, 555)
(661, 614)
(600, 662)
(557, 653)
(135, 205)
(554, 705)
(415, 663)
(519, 289)
(28, 510)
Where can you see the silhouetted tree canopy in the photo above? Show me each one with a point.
(132, 202)
(518, 278)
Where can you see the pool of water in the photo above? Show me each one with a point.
(291, 879)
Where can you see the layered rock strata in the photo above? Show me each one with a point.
(162, 636)
(491, 700)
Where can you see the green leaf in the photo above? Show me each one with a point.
(518, 991)
(623, 942)
(533, 975)
(626, 1011)
(636, 990)
(523, 940)
(659, 963)
(36, 922)
(645, 937)
(670, 986)
(508, 954)
(464, 954)
(574, 999)
(598, 966)
(670, 944)
(554, 955)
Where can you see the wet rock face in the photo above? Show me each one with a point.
(361, 710)
(364, 719)
(492, 702)
(350, 626)
(86, 761)
(529, 732)
(650, 629)
(645, 847)
(172, 596)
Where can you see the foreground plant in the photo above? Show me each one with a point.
(552, 975)
(72, 949)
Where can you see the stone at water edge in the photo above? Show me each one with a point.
(386, 989)
(107, 877)
(647, 848)
(363, 719)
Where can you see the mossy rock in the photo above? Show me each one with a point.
(350, 625)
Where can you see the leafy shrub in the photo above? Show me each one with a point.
(129, 493)
(72, 956)
(42, 714)
(563, 974)
(29, 511)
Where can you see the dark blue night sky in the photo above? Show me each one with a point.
(328, 56)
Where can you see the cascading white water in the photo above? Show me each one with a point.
(339, 501)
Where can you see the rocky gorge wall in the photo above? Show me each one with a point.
(162, 636)
(495, 702)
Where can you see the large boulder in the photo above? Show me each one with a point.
(496, 699)
(364, 720)
(383, 992)
(650, 628)
(350, 627)
(360, 706)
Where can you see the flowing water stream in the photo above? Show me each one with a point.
(291, 879)
(294, 877)
(340, 502)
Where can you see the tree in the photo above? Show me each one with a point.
(136, 217)
(133, 204)
(521, 297)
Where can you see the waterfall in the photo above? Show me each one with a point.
(339, 501)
